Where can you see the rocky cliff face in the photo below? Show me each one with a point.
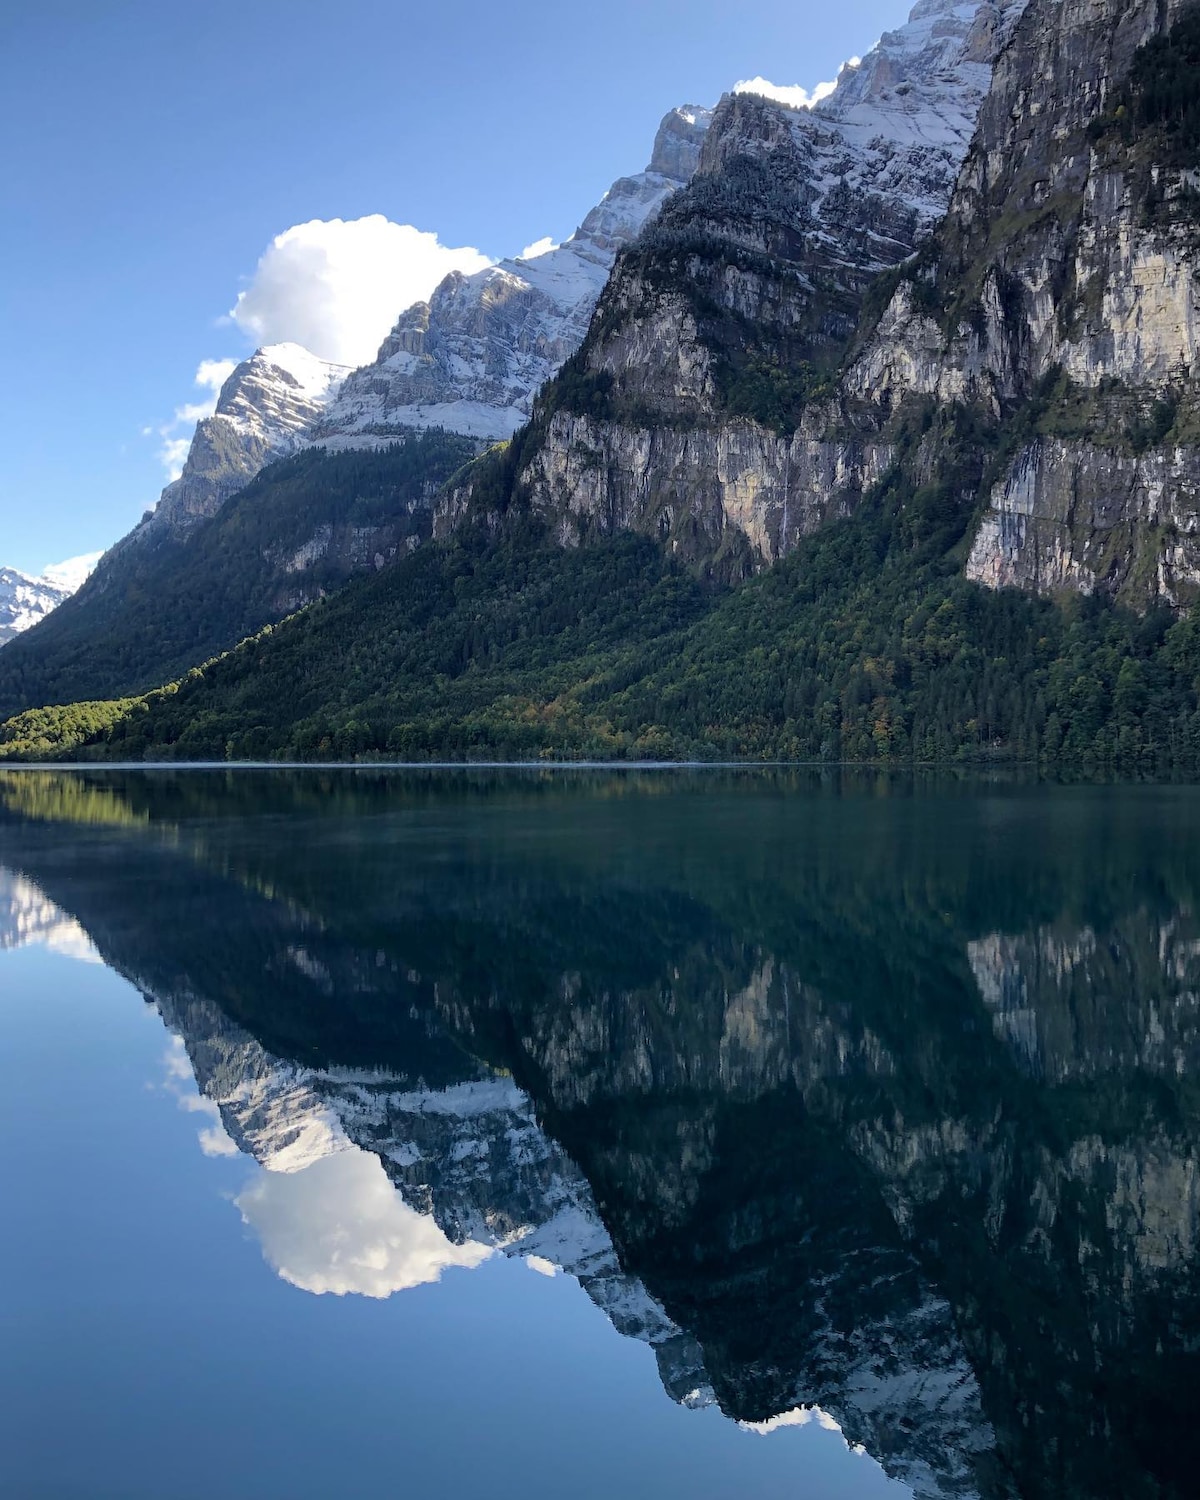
(264, 412)
(473, 357)
(728, 317)
(1065, 280)
(729, 403)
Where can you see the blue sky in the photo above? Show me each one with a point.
(153, 150)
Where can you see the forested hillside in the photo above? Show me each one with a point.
(866, 644)
(164, 603)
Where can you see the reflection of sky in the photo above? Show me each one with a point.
(147, 1329)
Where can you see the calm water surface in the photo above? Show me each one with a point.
(509, 1134)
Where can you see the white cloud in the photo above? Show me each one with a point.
(71, 573)
(192, 412)
(340, 1227)
(792, 94)
(173, 454)
(214, 1139)
(214, 1142)
(333, 286)
(176, 1063)
(336, 286)
(539, 247)
(212, 374)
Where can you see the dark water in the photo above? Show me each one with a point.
(707, 1134)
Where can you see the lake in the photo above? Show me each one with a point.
(542, 1134)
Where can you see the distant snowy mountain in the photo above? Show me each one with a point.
(264, 412)
(25, 600)
(473, 357)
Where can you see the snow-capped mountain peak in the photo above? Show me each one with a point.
(312, 379)
(470, 359)
(923, 83)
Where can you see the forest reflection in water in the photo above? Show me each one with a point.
(870, 1102)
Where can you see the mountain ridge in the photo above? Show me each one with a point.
(474, 356)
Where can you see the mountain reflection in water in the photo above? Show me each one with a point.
(866, 1103)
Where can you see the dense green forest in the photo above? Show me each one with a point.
(867, 644)
(160, 604)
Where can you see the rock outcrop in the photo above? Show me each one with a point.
(689, 414)
(1064, 286)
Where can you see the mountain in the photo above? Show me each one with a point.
(473, 358)
(827, 479)
(1066, 287)
(684, 415)
(469, 1158)
(159, 604)
(24, 601)
(263, 413)
(838, 471)
(470, 360)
